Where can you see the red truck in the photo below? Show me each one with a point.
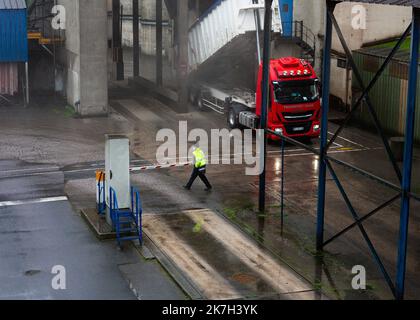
(294, 107)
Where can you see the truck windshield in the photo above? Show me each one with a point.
(293, 92)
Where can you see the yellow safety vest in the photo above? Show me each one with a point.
(200, 158)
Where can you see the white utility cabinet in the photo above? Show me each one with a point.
(117, 171)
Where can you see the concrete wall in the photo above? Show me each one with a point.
(285, 48)
(383, 22)
(69, 56)
(378, 26)
(312, 14)
(84, 56)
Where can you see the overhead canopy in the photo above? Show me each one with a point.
(12, 4)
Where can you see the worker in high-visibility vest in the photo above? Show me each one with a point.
(200, 165)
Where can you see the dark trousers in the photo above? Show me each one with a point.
(199, 172)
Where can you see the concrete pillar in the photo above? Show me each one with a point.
(93, 58)
(84, 56)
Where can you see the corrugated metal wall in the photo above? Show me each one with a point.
(389, 96)
(13, 36)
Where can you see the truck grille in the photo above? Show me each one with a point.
(288, 116)
(298, 127)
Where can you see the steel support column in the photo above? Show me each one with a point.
(159, 43)
(265, 98)
(182, 59)
(136, 39)
(257, 31)
(282, 182)
(326, 73)
(116, 39)
(408, 155)
(27, 84)
(371, 109)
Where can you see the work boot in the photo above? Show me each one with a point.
(208, 189)
(187, 188)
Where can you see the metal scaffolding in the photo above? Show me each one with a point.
(403, 188)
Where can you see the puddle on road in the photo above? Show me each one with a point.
(222, 261)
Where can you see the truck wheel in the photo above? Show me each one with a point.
(193, 96)
(200, 102)
(233, 116)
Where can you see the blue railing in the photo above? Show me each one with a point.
(131, 216)
(137, 209)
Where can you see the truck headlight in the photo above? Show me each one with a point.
(279, 131)
(317, 127)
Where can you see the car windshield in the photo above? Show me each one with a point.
(293, 92)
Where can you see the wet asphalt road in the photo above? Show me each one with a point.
(42, 148)
(237, 194)
(59, 151)
(39, 229)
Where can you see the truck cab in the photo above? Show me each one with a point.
(294, 108)
(294, 101)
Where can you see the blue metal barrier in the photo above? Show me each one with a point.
(126, 221)
(137, 209)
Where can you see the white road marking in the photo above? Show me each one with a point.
(30, 169)
(224, 159)
(331, 152)
(347, 140)
(32, 201)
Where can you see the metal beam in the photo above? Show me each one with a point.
(326, 74)
(370, 86)
(345, 164)
(257, 31)
(408, 155)
(117, 39)
(364, 218)
(265, 99)
(361, 228)
(136, 39)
